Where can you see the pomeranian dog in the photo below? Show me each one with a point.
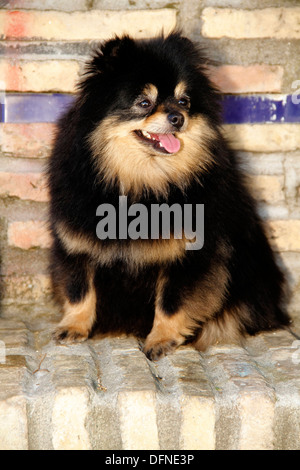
(145, 127)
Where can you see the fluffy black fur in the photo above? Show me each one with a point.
(251, 296)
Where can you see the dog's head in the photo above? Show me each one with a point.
(154, 112)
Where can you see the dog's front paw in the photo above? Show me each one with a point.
(67, 335)
(155, 351)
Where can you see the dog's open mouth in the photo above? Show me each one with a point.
(164, 143)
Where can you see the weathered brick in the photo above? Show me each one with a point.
(263, 163)
(13, 424)
(277, 23)
(264, 137)
(31, 140)
(28, 234)
(138, 420)
(27, 288)
(21, 262)
(47, 5)
(290, 262)
(13, 414)
(268, 188)
(257, 416)
(292, 180)
(256, 78)
(28, 186)
(14, 338)
(94, 24)
(244, 390)
(196, 402)
(39, 76)
(198, 423)
(127, 376)
(69, 416)
(229, 397)
(75, 5)
(285, 234)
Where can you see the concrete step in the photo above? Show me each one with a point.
(105, 394)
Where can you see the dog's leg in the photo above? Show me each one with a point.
(168, 332)
(74, 282)
(182, 306)
(171, 323)
(78, 318)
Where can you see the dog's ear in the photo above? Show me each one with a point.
(107, 59)
(114, 47)
(110, 53)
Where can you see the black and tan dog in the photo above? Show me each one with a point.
(146, 125)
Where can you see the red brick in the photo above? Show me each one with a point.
(29, 234)
(95, 24)
(16, 24)
(27, 140)
(256, 78)
(27, 186)
(39, 75)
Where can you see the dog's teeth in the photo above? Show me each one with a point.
(160, 144)
(146, 134)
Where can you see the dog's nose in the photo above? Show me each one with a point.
(176, 119)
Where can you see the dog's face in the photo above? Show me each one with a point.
(159, 122)
(154, 121)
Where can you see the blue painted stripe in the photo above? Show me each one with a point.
(36, 107)
(2, 113)
(260, 109)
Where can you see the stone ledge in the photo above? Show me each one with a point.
(105, 394)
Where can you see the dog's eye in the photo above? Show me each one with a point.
(185, 102)
(145, 104)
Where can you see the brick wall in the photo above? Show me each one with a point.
(255, 46)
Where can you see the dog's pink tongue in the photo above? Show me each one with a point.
(169, 142)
